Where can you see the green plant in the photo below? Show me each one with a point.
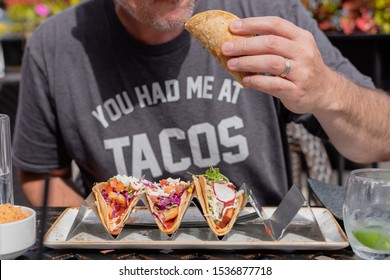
(351, 16)
(25, 15)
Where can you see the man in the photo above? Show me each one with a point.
(121, 88)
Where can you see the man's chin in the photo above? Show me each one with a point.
(167, 25)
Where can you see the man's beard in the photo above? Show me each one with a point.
(152, 18)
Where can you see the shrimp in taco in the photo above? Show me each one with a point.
(115, 199)
(167, 201)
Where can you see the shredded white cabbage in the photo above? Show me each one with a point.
(217, 210)
(159, 191)
(173, 181)
(156, 192)
(216, 207)
(130, 181)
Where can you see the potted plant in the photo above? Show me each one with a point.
(351, 16)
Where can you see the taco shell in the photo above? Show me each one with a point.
(113, 224)
(211, 29)
(200, 188)
(185, 200)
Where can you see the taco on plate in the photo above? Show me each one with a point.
(115, 199)
(167, 201)
(221, 202)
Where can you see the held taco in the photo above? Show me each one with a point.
(220, 201)
(167, 201)
(211, 29)
(115, 199)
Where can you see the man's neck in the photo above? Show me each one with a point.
(142, 33)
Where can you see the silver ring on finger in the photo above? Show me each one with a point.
(287, 68)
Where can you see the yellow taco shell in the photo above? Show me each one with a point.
(200, 188)
(113, 225)
(211, 29)
(182, 208)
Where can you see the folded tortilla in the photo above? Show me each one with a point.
(114, 224)
(201, 193)
(211, 29)
(170, 226)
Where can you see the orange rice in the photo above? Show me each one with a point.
(9, 213)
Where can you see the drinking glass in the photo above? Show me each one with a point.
(6, 187)
(366, 213)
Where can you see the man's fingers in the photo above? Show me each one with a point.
(266, 25)
(270, 64)
(280, 88)
(266, 44)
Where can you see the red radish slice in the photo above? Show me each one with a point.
(223, 192)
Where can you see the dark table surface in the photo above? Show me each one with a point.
(39, 252)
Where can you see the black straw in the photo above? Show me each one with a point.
(43, 217)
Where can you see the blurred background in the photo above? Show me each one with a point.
(351, 16)
(359, 28)
(21, 17)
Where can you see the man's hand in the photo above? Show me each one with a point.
(306, 88)
(355, 118)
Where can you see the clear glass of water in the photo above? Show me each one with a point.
(6, 187)
(366, 213)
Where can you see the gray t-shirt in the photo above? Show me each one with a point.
(93, 94)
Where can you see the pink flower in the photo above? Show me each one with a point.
(42, 10)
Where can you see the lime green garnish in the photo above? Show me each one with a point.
(373, 239)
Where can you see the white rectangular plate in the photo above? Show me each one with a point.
(248, 236)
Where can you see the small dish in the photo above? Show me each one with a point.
(17, 237)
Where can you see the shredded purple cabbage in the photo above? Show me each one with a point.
(148, 184)
(113, 214)
(171, 200)
(158, 218)
(126, 194)
(116, 209)
(105, 195)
